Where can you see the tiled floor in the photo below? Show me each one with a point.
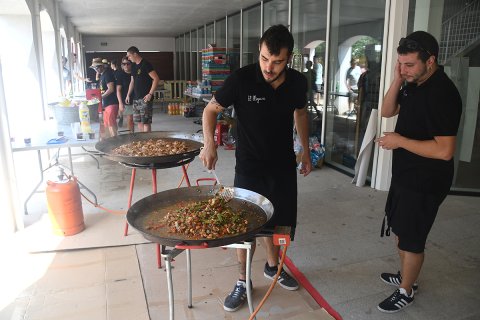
(337, 247)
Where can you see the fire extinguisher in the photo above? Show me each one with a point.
(65, 205)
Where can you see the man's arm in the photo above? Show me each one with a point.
(440, 147)
(209, 120)
(301, 123)
(119, 97)
(110, 90)
(390, 106)
(130, 90)
(153, 74)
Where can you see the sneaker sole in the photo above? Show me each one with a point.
(393, 311)
(282, 285)
(396, 285)
(233, 309)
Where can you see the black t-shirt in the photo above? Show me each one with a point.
(143, 82)
(123, 79)
(431, 109)
(107, 77)
(264, 118)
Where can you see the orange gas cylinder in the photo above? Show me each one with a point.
(65, 207)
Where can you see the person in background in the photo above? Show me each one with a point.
(309, 73)
(429, 107)
(144, 82)
(67, 77)
(123, 83)
(115, 66)
(318, 68)
(109, 96)
(351, 81)
(268, 98)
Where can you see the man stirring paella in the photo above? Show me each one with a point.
(268, 98)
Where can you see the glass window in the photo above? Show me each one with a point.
(234, 41)
(210, 35)
(178, 61)
(457, 33)
(353, 78)
(251, 35)
(194, 57)
(220, 33)
(201, 45)
(187, 56)
(275, 12)
(309, 23)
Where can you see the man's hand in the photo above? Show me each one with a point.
(148, 97)
(127, 100)
(208, 155)
(390, 140)
(306, 167)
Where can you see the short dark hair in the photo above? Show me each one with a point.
(419, 41)
(133, 49)
(115, 63)
(276, 38)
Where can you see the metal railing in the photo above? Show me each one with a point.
(460, 31)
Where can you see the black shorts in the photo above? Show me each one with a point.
(411, 214)
(281, 190)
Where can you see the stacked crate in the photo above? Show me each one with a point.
(215, 67)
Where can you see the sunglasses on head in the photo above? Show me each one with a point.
(412, 45)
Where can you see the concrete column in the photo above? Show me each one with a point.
(397, 28)
(9, 216)
(58, 46)
(34, 6)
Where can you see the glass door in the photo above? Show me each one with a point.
(352, 86)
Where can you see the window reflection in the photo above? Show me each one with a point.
(275, 12)
(353, 84)
(251, 35)
(201, 45)
(309, 21)
(220, 29)
(194, 57)
(187, 56)
(234, 42)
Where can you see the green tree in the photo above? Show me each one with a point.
(358, 48)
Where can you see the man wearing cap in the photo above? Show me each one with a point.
(143, 84)
(109, 96)
(429, 107)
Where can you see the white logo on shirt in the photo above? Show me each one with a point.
(256, 99)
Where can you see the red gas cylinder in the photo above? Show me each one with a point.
(65, 207)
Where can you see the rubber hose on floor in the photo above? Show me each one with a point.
(280, 266)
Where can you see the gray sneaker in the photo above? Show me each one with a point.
(284, 280)
(236, 298)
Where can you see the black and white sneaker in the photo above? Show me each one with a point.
(284, 280)
(395, 280)
(237, 297)
(396, 302)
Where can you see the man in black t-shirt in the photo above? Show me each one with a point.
(109, 96)
(123, 83)
(429, 107)
(143, 84)
(268, 98)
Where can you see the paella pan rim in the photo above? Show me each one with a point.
(106, 146)
(142, 208)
